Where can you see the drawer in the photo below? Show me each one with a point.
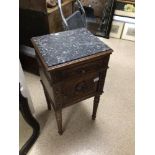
(74, 90)
(81, 70)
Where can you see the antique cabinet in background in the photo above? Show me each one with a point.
(36, 19)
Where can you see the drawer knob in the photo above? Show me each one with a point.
(83, 71)
(81, 86)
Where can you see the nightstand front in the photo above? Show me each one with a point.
(71, 76)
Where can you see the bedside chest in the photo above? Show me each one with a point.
(73, 66)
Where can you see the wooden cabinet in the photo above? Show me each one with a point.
(36, 19)
(73, 66)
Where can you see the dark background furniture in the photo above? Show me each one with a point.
(75, 20)
(28, 117)
(97, 5)
(72, 66)
(36, 19)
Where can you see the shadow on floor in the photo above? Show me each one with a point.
(78, 129)
(43, 117)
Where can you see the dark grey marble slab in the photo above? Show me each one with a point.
(58, 48)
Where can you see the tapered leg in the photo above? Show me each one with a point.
(47, 97)
(58, 114)
(95, 106)
(48, 100)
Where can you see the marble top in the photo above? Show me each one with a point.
(58, 48)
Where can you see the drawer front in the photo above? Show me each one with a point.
(73, 90)
(81, 70)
